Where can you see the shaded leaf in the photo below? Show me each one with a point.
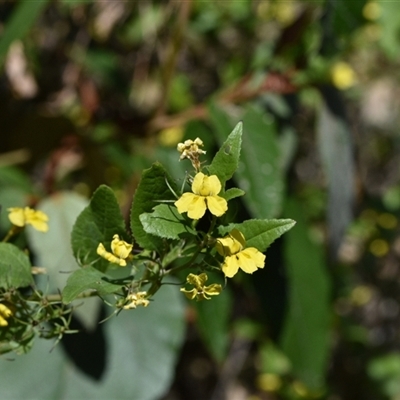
(15, 268)
(305, 338)
(97, 223)
(166, 222)
(84, 279)
(226, 161)
(213, 321)
(336, 150)
(232, 193)
(260, 172)
(151, 189)
(53, 249)
(260, 233)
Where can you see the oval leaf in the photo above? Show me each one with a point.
(15, 268)
(166, 222)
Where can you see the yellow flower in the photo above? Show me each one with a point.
(171, 136)
(136, 299)
(120, 251)
(27, 216)
(200, 291)
(343, 75)
(5, 313)
(205, 190)
(232, 247)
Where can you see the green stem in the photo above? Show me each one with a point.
(13, 231)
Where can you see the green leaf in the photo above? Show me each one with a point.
(15, 268)
(97, 223)
(213, 322)
(142, 350)
(226, 161)
(62, 208)
(260, 233)
(232, 193)
(151, 189)
(21, 21)
(166, 222)
(305, 338)
(84, 279)
(260, 172)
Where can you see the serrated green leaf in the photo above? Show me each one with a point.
(166, 222)
(232, 193)
(151, 189)
(305, 338)
(15, 268)
(226, 161)
(87, 278)
(97, 223)
(260, 233)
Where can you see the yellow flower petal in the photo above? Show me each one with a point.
(38, 219)
(231, 244)
(102, 252)
(230, 266)
(16, 216)
(197, 281)
(190, 294)
(205, 189)
(250, 259)
(5, 311)
(217, 205)
(197, 184)
(3, 321)
(23, 216)
(213, 290)
(184, 202)
(120, 248)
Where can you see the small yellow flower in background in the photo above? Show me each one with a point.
(5, 313)
(136, 299)
(27, 216)
(343, 75)
(372, 10)
(205, 195)
(120, 251)
(200, 291)
(171, 136)
(232, 247)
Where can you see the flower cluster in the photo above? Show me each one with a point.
(233, 248)
(27, 216)
(190, 149)
(200, 291)
(120, 251)
(136, 299)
